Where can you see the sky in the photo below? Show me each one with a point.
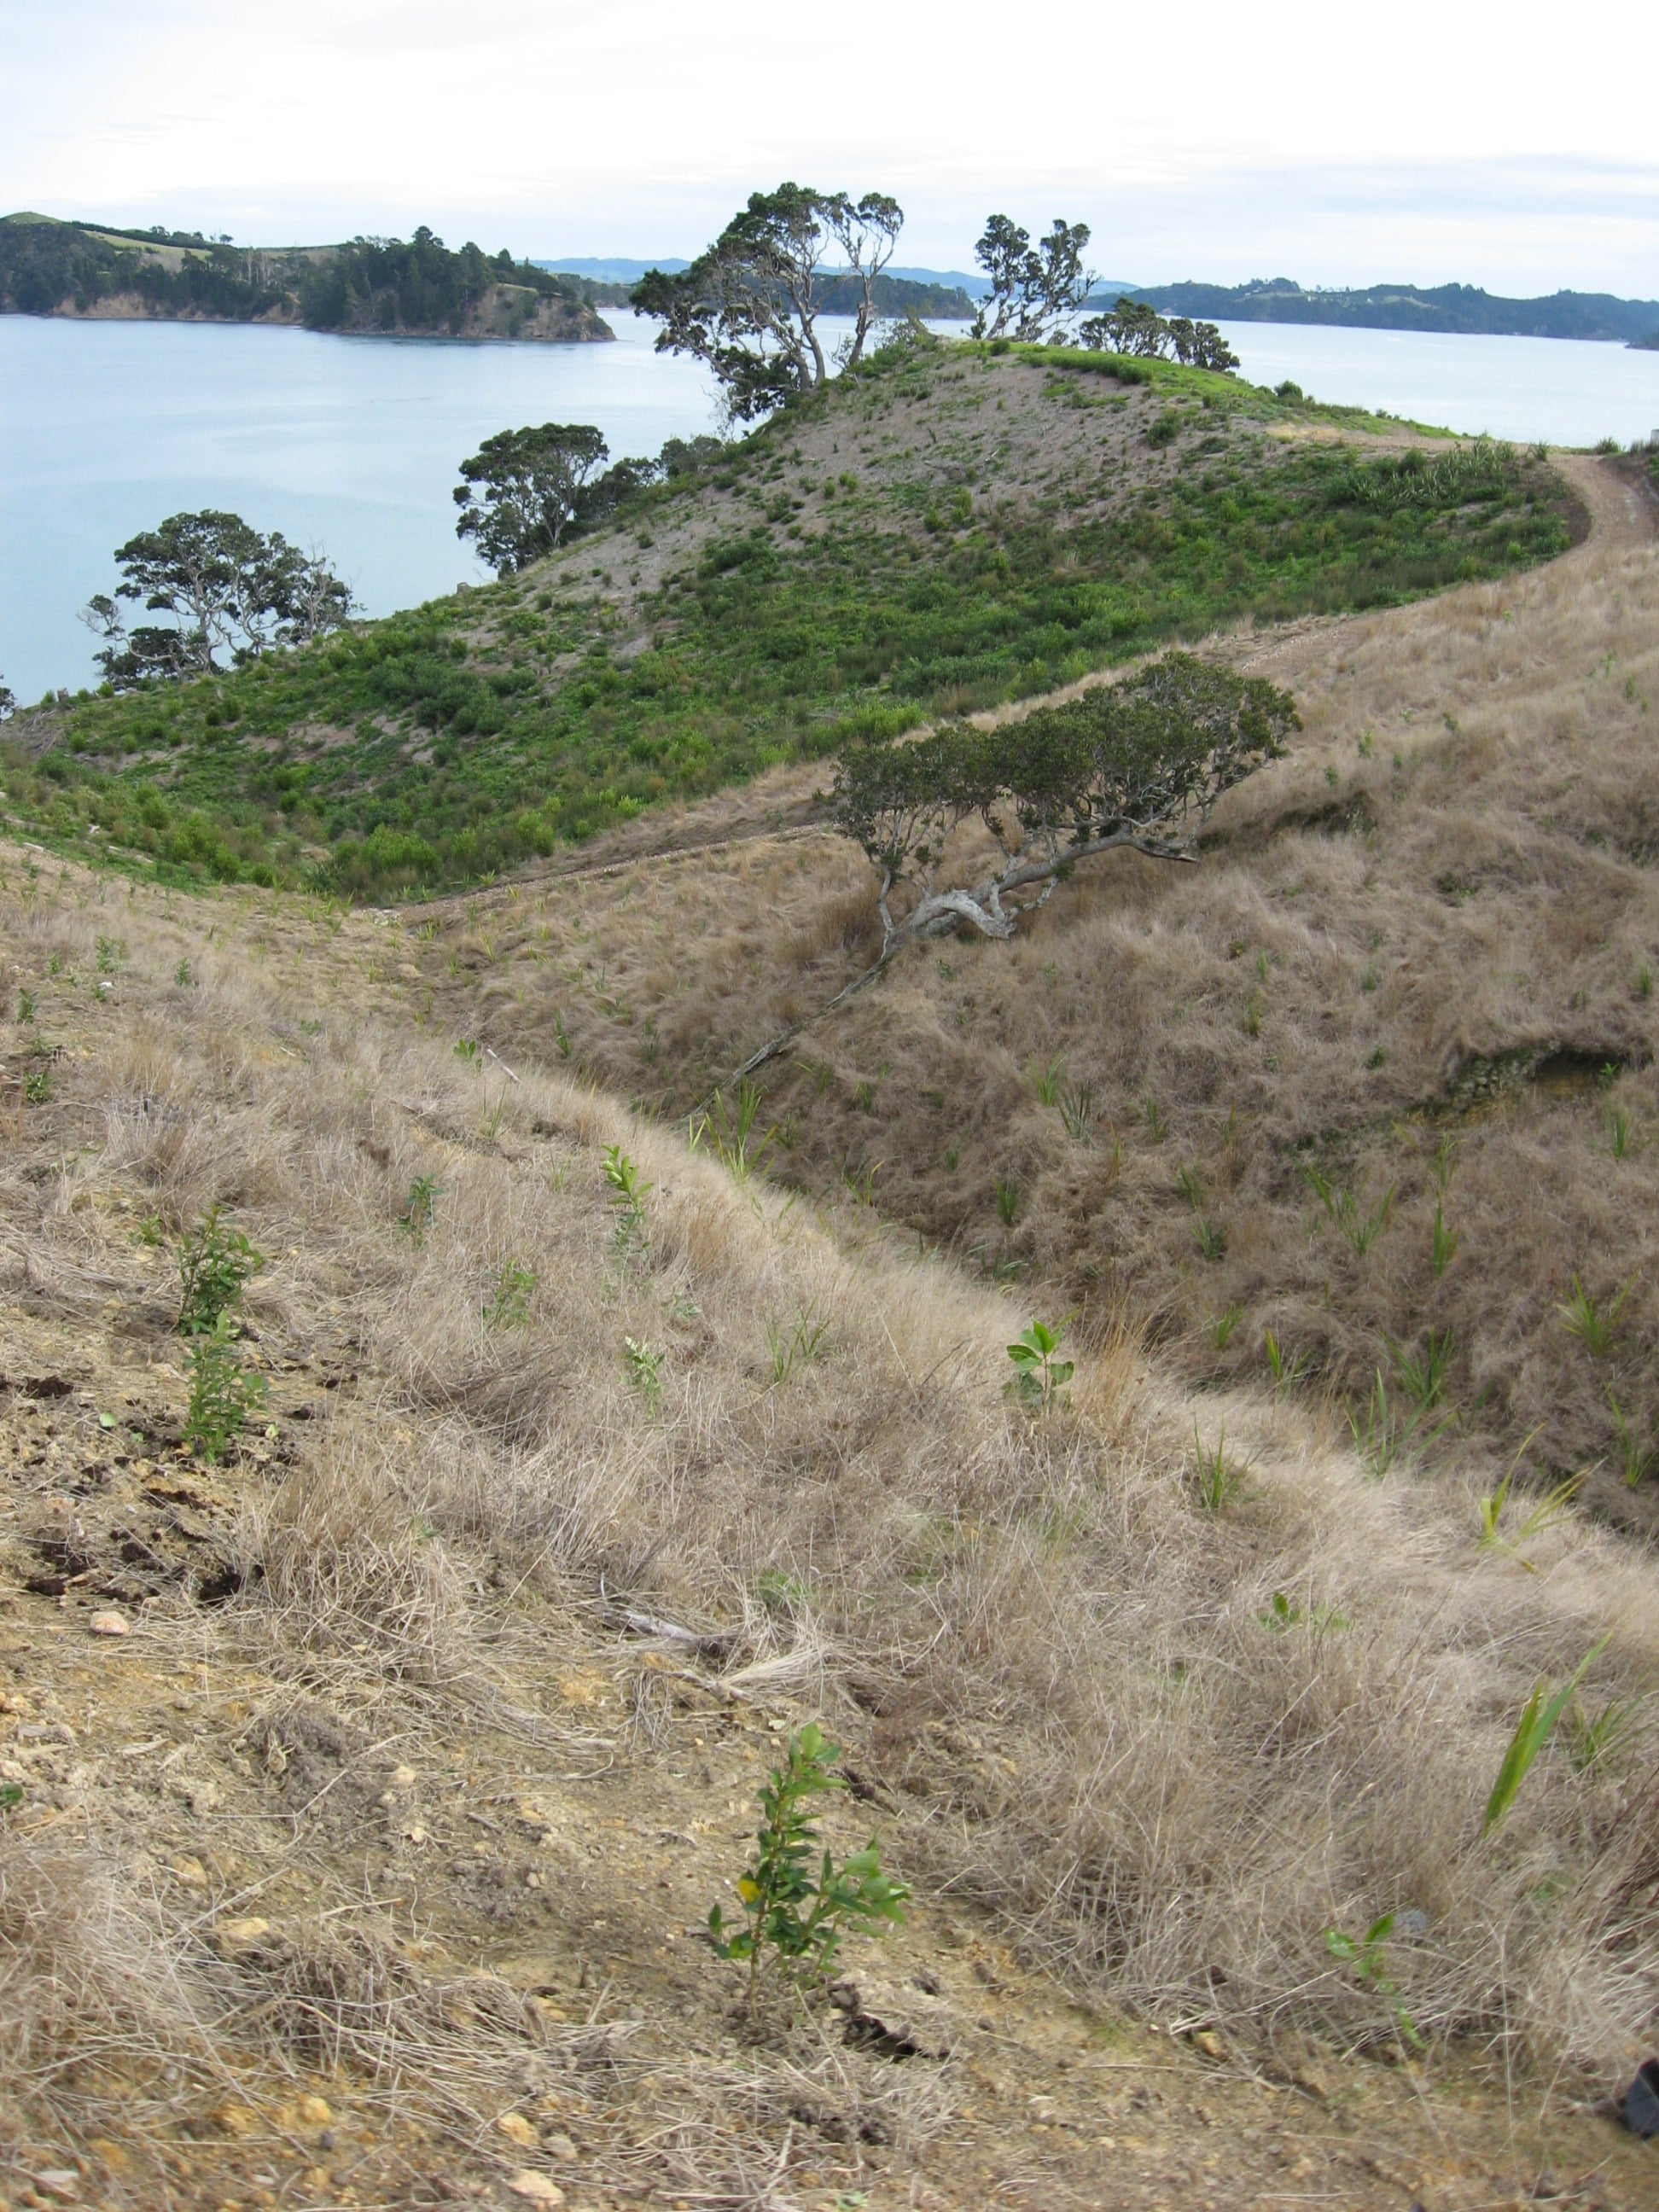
(1438, 140)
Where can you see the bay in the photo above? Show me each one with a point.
(352, 444)
(1567, 392)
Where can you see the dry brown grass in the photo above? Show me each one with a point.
(1432, 923)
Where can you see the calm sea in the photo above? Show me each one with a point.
(352, 444)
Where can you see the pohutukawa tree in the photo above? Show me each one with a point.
(522, 489)
(226, 589)
(750, 304)
(1137, 766)
(1136, 327)
(1035, 289)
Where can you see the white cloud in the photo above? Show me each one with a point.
(1223, 141)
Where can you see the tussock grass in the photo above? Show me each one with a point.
(1425, 981)
(1053, 1662)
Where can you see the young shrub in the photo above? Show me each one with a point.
(1038, 1374)
(222, 1392)
(507, 1305)
(794, 1916)
(644, 1371)
(1591, 1324)
(1360, 1231)
(215, 1263)
(627, 1196)
(416, 1217)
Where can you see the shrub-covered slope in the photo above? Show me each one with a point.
(947, 528)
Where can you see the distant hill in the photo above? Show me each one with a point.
(365, 286)
(1453, 307)
(937, 298)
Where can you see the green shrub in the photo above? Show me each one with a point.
(215, 1263)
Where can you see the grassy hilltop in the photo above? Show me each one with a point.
(945, 528)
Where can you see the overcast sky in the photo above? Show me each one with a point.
(1515, 147)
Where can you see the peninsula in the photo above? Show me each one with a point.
(369, 287)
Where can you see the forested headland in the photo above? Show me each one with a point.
(391, 287)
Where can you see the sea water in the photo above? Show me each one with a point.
(352, 445)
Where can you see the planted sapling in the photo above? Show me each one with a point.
(794, 1915)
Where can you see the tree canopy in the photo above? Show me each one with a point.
(750, 304)
(226, 588)
(1139, 763)
(1035, 289)
(1134, 327)
(522, 489)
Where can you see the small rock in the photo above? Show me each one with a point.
(234, 1936)
(58, 2181)
(190, 1872)
(536, 2188)
(517, 2130)
(109, 1623)
(404, 1778)
(1641, 2102)
(314, 2111)
(1209, 2043)
(235, 2119)
(562, 2148)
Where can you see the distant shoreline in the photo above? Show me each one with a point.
(115, 312)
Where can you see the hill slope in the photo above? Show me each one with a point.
(367, 1866)
(947, 528)
(1418, 958)
(367, 287)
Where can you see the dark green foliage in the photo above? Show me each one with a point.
(797, 1914)
(1136, 329)
(1035, 289)
(215, 1263)
(368, 284)
(522, 489)
(1145, 754)
(750, 304)
(227, 589)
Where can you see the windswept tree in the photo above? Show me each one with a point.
(224, 587)
(1134, 766)
(749, 305)
(522, 489)
(1134, 326)
(1036, 290)
(7, 702)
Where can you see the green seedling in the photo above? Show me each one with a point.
(1366, 1958)
(1077, 1110)
(1283, 1615)
(1379, 1435)
(466, 1049)
(111, 954)
(1219, 1480)
(644, 1369)
(37, 1085)
(1591, 1324)
(794, 1915)
(507, 1305)
(1047, 1082)
(215, 1263)
(561, 1035)
(182, 976)
(1424, 1374)
(787, 1350)
(1532, 1732)
(1285, 1369)
(1360, 1231)
(222, 1392)
(1443, 1249)
(1556, 1505)
(730, 1132)
(418, 1214)
(1595, 1740)
(1618, 1132)
(26, 1005)
(1039, 1377)
(1008, 1197)
(1636, 1453)
(628, 1193)
(1157, 1127)
(1226, 1322)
